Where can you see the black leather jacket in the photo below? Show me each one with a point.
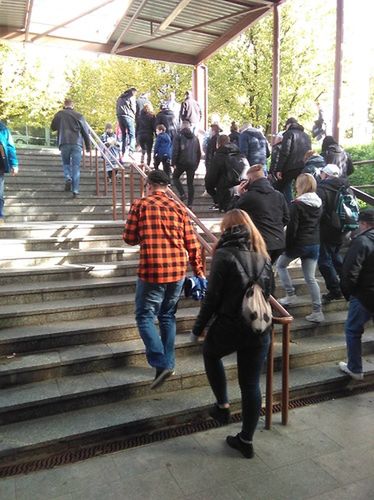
(228, 281)
(71, 128)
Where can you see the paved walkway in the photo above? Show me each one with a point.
(326, 453)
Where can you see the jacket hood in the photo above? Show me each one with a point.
(310, 199)
(315, 161)
(261, 185)
(335, 148)
(187, 132)
(296, 126)
(334, 182)
(237, 236)
(230, 149)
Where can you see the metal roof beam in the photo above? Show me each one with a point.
(122, 18)
(65, 23)
(29, 7)
(174, 14)
(184, 30)
(242, 25)
(128, 26)
(178, 26)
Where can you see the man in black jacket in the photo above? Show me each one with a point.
(186, 158)
(330, 260)
(295, 143)
(267, 208)
(357, 282)
(72, 131)
(167, 118)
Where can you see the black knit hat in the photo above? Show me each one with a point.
(158, 177)
(367, 216)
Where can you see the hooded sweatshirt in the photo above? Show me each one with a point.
(305, 215)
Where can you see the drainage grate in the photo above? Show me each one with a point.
(76, 455)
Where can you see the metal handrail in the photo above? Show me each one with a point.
(363, 162)
(361, 195)
(208, 243)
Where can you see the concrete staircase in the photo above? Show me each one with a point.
(72, 367)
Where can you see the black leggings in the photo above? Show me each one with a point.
(250, 361)
(146, 143)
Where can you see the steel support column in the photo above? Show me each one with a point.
(275, 78)
(338, 68)
(200, 91)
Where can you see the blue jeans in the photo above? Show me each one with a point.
(127, 126)
(71, 155)
(158, 300)
(308, 255)
(250, 361)
(358, 315)
(330, 265)
(1, 195)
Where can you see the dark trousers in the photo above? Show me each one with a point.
(146, 143)
(190, 173)
(165, 160)
(250, 362)
(330, 264)
(285, 185)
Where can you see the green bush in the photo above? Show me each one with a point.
(363, 174)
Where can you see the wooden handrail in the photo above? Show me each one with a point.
(208, 242)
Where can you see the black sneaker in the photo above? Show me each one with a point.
(246, 449)
(328, 297)
(68, 185)
(161, 376)
(221, 415)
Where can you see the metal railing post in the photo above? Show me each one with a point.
(123, 193)
(285, 371)
(114, 196)
(269, 382)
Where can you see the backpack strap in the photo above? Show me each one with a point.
(245, 269)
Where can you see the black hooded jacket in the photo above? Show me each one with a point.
(226, 286)
(327, 190)
(295, 144)
(186, 149)
(357, 278)
(269, 211)
(216, 175)
(167, 118)
(126, 105)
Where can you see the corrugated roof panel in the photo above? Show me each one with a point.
(12, 13)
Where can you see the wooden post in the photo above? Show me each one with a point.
(275, 78)
(285, 371)
(269, 382)
(338, 68)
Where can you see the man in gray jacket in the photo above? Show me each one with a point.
(72, 131)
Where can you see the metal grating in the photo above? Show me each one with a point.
(78, 454)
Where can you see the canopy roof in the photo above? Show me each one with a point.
(186, 31)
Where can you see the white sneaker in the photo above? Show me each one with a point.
(344, 368)
(315, 317)
(288, 300)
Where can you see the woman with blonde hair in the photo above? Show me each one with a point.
(302, 241)
(240, 257)
(145, 131)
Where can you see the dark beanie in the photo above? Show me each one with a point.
(367, 215)
(158, 177)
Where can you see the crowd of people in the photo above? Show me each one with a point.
(265, 226)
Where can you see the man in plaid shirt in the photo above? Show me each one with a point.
(162, 228)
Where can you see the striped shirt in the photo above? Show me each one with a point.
(164, 232)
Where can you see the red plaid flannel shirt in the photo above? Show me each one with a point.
(164, 232)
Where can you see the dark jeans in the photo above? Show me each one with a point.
(358, 315)
(146, 143)
(165, 164)
(127, 126)
(71, 155)
(330, 265)
(250, 362)
(285, 185)
(190, 173)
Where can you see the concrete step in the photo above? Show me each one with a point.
(55, 395)
(32, 292)
(63, 243)
(73, 326)
(70, 229)
(65, 257)
(126, 417)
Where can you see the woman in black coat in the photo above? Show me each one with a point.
(145, 131)
(240, 255)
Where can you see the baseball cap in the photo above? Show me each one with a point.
(331, 169)
(158, 177)
(367, 215)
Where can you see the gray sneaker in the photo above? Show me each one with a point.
(161, 376)
(344, 368)
(315, 317)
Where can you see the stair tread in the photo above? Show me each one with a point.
(47, 430)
